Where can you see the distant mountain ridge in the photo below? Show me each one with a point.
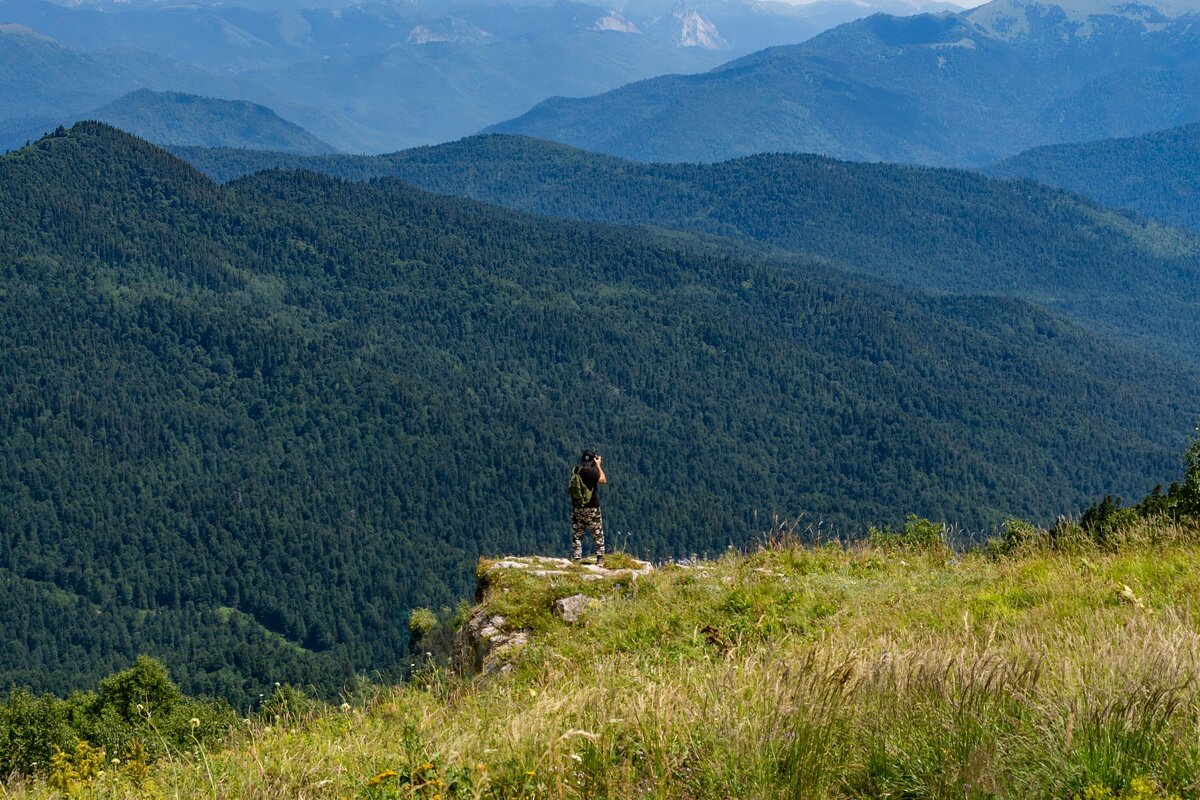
(377, 76)
(41, 78)
(177, 119)
(941, 89)
(1156, 175)
(940, 230)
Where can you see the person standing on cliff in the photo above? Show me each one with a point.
(586, 480)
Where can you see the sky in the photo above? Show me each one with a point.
(960, 3)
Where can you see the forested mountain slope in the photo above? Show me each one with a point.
(317, 402)
(61, 641)
(936, 229)
(1156, 175)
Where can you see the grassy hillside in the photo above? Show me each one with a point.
(318, 402)
(880, 670)
(1157, 175)
(941, 230)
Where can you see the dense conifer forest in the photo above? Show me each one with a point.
(1156, 174)
(936, 229)
(248, 427)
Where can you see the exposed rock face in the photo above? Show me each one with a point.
(481, 645)
(549, 567)
(697, 30)
(613, 21)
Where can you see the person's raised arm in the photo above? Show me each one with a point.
(600, 469)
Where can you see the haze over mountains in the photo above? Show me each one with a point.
(377, 76)
(274, 415)
(174, 118)
(941, 89)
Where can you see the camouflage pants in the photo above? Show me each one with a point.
(581, 520)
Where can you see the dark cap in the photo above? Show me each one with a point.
(588, 455)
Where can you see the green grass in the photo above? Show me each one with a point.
(872, 671)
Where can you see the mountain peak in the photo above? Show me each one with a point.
(697, 30)
(615, 21)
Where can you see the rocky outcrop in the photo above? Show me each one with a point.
(482, 644)
(489, 640)
(550, 567)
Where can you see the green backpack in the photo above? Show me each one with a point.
(581, 495)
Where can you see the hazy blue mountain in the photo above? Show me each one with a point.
(172, 118)
(946, 89)
(938, 229)
(304, 405)
(40, 78)
(245, 35)
(376, 76)
(1156, 175)
(418, 94)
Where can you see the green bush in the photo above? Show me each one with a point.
(32, 730)
(918, 534)
(431, 634)
(288, 704)
(138, 710)
(1016, 536)
(420, 622)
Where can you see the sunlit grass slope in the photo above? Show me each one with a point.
(887, 669)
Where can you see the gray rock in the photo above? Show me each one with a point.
(571, 608)
(481, 645)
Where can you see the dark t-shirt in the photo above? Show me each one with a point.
(590, 474)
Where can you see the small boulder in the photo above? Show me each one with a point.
(571, 608)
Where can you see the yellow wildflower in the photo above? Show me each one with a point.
(381, 777)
